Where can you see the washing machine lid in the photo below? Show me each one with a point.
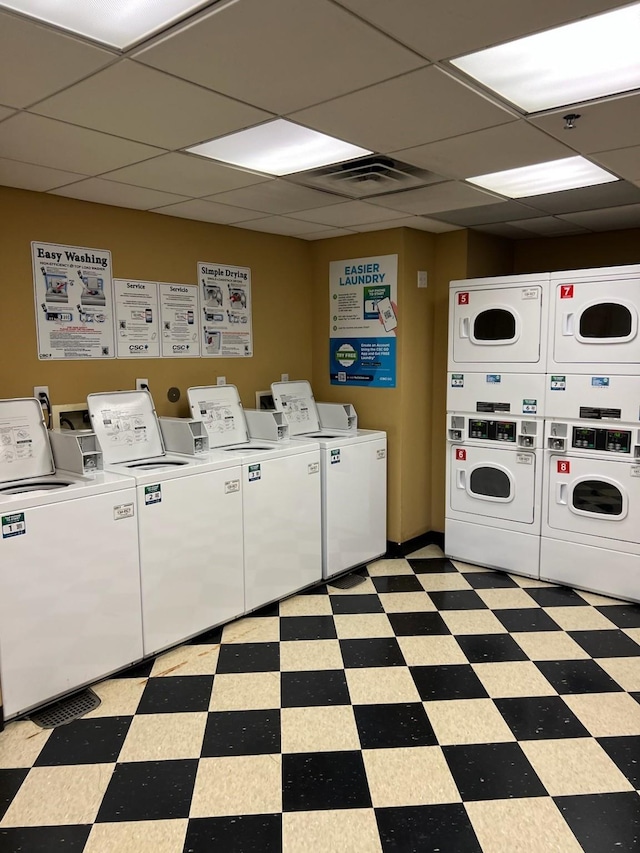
(126, 425)
(25, 451)
(220, 409)
(296, 400)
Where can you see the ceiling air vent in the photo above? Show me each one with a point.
(366, 177)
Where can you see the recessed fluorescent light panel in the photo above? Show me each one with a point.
(279, 148)
(117, 23)
(570, 173)
(577, 62)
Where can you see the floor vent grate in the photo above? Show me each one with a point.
(347, 581)
(66, 710)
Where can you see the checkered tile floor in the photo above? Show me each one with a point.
(435, 707)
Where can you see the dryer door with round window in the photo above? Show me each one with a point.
(493, 483)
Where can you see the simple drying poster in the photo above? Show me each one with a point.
(225, 299)
(137, 318)
(364, 322)
(73, 301)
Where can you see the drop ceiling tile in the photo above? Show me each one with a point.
(26, 176)
(277, 197)
(346, 215)
(500, 212)
(119, 195)
(602, 126)
(548, 226)
(207, 211)
(280, 56)
(419, 223)
(45, 142)
(36, 61)
(5, 112)
(185, 174)
(503, 229)
(439, 30)
(414, 109)
(150, 107)
(611, 219)
(327, 234)
(621, 161)
(484, 151)
(284, 225)
(586, 198)
(434, 199)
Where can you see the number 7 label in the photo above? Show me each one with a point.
(566, 291)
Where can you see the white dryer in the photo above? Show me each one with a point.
(281, 498)
(499, 324)
(497, 393)
(189, 520)
(354, 476)
(594, 321)
(69, 584)
(591, 510)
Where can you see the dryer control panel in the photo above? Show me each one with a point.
(517, 433)
(603, 440)
(492, 430)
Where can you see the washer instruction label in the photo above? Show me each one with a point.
(313, 468)
(529, 407)
(153, 494)
(381, 453)
(255, 472)
(123, 511)
(231, 486)
(457, 380)
(558, 383)
(335, 457)
(600, 381)
(13, 525)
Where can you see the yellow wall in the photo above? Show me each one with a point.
(580, 252)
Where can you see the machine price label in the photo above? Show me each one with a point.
(529, 407)
(335, 457)
(563, 466)
(457, 380)
(13, 525)
(231, 486)
(463, 298)
(494, 378)
(123, 511)
(313, 467)
(600, 381)
(524, 458)
(461, 454)
(566, 291)
(635, 470)
(530, 293)
(255, 472)
(558, 383)
(381, 454)
(153, 494)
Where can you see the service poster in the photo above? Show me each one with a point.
(137, 318)
(179, 320)
(225, 294)
(73, 302)
(364, 322)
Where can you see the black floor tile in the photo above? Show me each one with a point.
(556, 596)
(397, 583)
(242, 733)
(636, 696)
(377, 651)
(322, 687)
(577, 676)
(138, 670)
(490, 648)
(149, 790)
(272, 609)
(489, 580)
(93, 741)
(606, 644)
(458, 599)
(492, 771)
(307, 628)
(449, 681)
(622, 615)
(176, 694)
(319, 589)
(397, 725)
(526, 619)
(540, 717)
(427, 829)
(249, 657)
(603, 823)
(213, 637)
(414, 624)
(255, 833)
(432, 565)
(625, 751)
(356, 604)
(44, 839)
(10, 782)
(324, 780)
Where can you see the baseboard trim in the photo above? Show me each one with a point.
(401, 549)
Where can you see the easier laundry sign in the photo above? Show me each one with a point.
(363, 305)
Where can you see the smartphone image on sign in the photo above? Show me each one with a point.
(387, 314)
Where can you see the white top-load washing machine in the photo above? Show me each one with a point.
(354, 475)
(189, 520)
(494, 473)
(499, 324)
(594, 322)
(281, 498)
(69, 579)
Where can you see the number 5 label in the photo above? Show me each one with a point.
(463, 299)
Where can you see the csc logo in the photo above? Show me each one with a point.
(180, 347)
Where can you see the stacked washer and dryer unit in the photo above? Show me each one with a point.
(579, 406)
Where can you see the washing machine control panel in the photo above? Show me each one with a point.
(612, 440)
(492, 430)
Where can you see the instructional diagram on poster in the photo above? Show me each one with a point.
(179, 320)
(225, 296)
(363, 298)
(74, 302)
(137, 318)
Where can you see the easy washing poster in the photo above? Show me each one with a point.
(363, 321)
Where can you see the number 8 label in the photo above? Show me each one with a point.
(564, 466)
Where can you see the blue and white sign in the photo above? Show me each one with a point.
(364, 322)
(600, 381)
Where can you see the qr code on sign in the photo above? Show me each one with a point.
(342, 376)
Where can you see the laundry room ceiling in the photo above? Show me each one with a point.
(82, 119)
